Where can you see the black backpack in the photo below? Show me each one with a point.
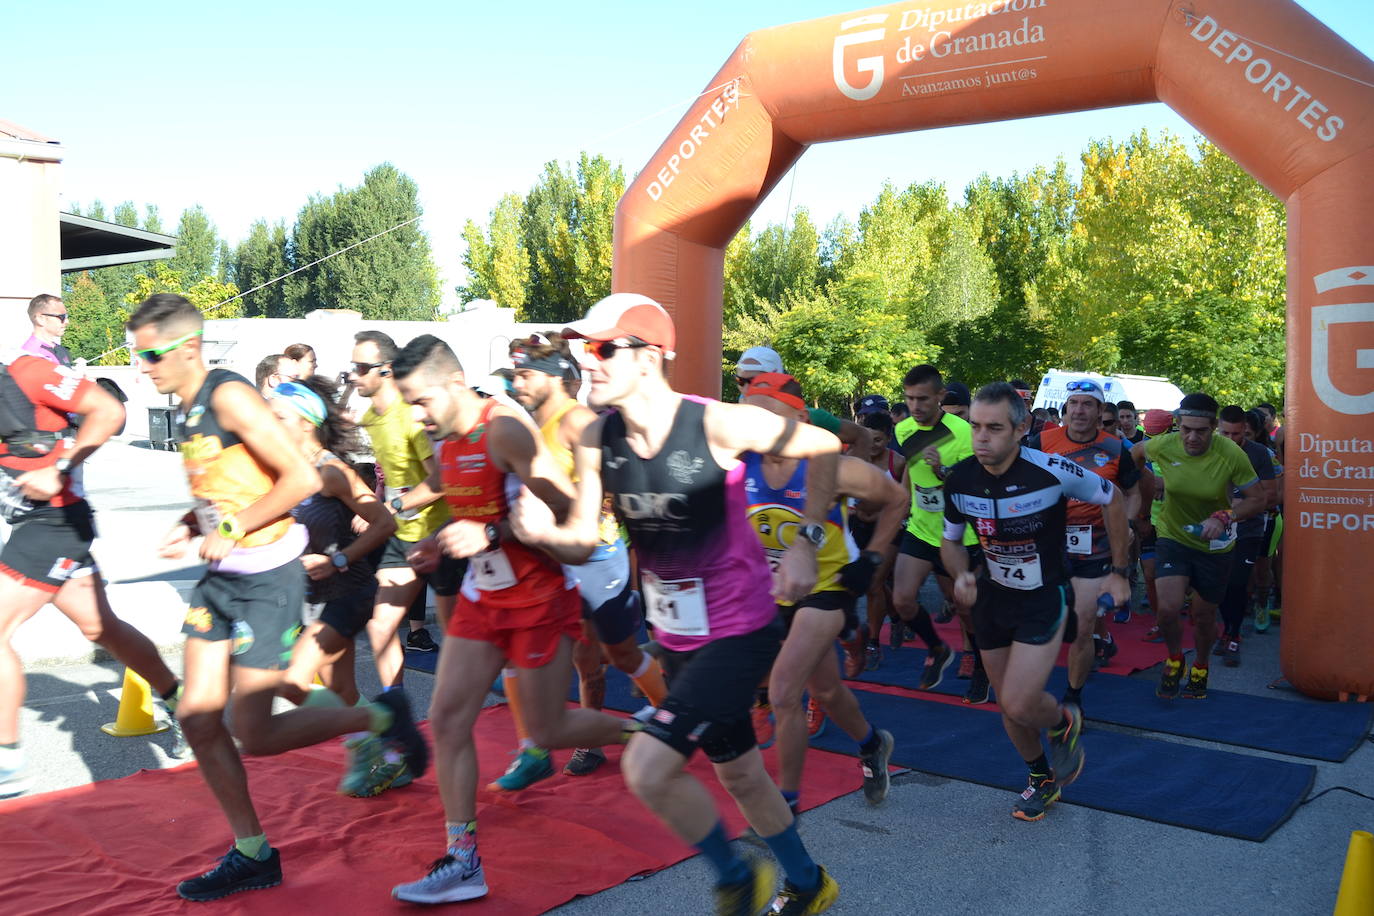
(17, 422)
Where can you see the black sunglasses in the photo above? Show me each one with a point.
(60, 316)
(605, 349)
(361, 369)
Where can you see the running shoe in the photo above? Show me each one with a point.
(762, 716)
(945, 614)
(937, 662)
(450, 880)
(896, 632)
(977, 693)
(854, 655)
(1153, 635)
(873, 657)
(1262, 616)
(531, 764)
(388, 772)
(584, 761)
(403, 732)
(1232, 657)
(235, 872)
(874, 766)
(1123, 614)
(1168, 681)
(965, 666)
(1066, 753)
(1040, 793)
(793, 902)
(181, 748)
(364, 755)
(751, 896)
(815, 719)
(420, 641)
(1107, 650)
(1196, 688)
(14, 781)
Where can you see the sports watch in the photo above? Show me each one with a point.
(63, 466)
(230, 529)
(396, 503)
(493, 536)
(814, 533)
(339, 560)
(1122, 571)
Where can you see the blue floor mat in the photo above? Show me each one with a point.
(1213, 791)
(1320, 731)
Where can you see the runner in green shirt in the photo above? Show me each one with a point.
(932, 441)
(1195, 529)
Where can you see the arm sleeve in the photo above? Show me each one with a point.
(824, 419)
(1079, 484)
(955, 522)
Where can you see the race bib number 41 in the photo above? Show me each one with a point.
(491, 570)
(1021, 573)
(676, 606)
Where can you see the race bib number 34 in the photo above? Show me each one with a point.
(1021, 573)
(676, 606)
(931, 499)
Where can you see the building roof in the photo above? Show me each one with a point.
(14, 132)
(90, 243)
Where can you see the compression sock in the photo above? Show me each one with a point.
(871, 742)
(1040, 766)
(925, 628)
(730, 868)
(254, 847)
(793, 800)
(649, 680)
(462, 839)
(796, 862)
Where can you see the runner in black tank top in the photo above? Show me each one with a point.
(671, 466)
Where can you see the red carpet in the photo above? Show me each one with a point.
(120, 846)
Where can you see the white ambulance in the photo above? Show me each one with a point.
(1146, 392)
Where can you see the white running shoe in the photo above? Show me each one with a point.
(450, 880)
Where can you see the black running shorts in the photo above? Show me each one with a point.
(50, 547)
(711, 693)
(1002, 616)
(1206, 572)
(841, 601)
(260, 612)
(913, 546)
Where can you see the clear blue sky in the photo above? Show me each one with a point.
(249, 108)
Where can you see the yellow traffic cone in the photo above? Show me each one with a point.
(1356, 896)
(135, 715)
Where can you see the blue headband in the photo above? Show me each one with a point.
(309, 404)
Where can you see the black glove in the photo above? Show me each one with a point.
(856, 577)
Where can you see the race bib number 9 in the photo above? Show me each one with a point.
(676, 606)
(1021, 573)
(1079, 539)
(491, 570)
(930, 499)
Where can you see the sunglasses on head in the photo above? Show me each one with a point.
(605, 349)
(1081, 385)
(154, 355)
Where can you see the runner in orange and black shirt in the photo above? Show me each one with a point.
(48, 554)
(1084, 441)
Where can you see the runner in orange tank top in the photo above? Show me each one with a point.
(515, 603)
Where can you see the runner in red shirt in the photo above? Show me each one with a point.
(516, 602)
(48, 554)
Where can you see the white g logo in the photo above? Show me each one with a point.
(1326, 320)
(873, 65)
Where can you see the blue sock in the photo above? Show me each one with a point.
(716, 848)
(393, 687)
(796, 862)
(870, 743)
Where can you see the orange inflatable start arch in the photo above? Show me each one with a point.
(1300, 119)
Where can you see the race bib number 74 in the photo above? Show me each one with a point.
(1021, 573)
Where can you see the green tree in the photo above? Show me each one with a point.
(497, 261)
(258, 259)
(96, 325)
(390, 277)
(206, 294)
(197, 246)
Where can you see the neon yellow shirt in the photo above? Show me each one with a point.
(1197, 486)
(401, 447)
(953, 438)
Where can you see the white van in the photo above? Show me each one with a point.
(1146, 392)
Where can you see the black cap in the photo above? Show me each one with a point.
(871, 403)
(957, 395)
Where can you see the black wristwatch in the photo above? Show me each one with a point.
(64, 466)
(493, 535)
(396, 503)
(1122, 571)
(814, 533)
